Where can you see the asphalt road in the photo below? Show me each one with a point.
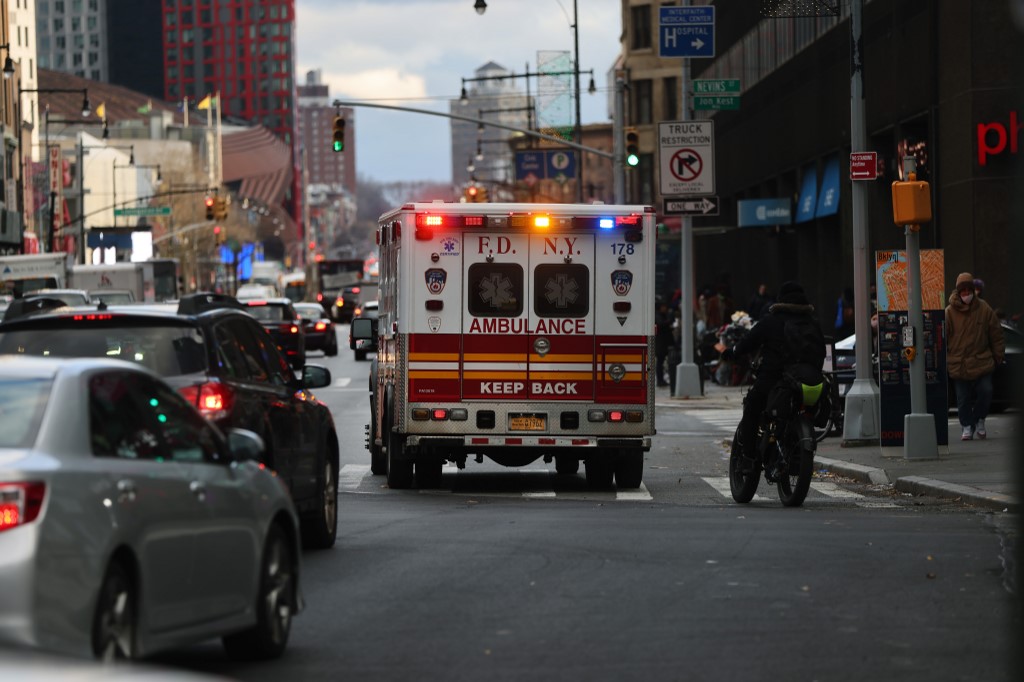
(509, 574)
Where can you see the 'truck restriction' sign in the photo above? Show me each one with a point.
(687, 157)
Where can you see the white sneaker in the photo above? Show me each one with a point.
(980, 429)
(968, 433)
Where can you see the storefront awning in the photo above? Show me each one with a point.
(763, 212)
(808, 195)
(828, 198)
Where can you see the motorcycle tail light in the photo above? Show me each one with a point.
(20, 503)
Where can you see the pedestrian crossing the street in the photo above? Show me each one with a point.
(545, 484)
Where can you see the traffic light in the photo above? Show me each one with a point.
(471, 194)
(632, 147)
(220, 208)
(218, 234)
(481, 195)
(209, 201)
(339, 133)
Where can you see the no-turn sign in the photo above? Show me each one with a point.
(687, 154)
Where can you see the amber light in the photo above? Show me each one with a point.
(542, 221)
(320, 326)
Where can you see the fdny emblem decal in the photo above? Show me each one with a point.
(436, 278)
(434, 322)
(622, 280)
(449, 246)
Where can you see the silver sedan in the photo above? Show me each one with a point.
(129, 524)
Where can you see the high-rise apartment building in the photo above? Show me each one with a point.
(73, 37)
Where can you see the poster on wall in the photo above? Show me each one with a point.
(893, 367)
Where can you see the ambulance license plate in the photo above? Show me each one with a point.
(527, 422)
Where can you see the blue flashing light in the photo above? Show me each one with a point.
(606, 223)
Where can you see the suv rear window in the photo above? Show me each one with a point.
(269, 312)
(168, 350)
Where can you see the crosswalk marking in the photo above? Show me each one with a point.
(342, 382)
(352, 476)
(724, 420)
(826, 488)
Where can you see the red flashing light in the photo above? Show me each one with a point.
(615, 416)
(627, 220)
(439, 414)
(474, 221)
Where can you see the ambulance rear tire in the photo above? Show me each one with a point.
(400, 470)
(600, 471)
(567, 465)
(629, 468)
(429, 473)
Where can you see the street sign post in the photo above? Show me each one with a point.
(705, 206)
(143, 211)
(686, 158)
(686, 31)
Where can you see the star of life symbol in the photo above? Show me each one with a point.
(496, 290)
(561, 291)
(449, 246)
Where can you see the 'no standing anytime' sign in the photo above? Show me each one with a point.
(687, 158)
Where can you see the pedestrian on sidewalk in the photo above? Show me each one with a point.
(974, 346)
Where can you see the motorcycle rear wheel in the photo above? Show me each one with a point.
(743, 484)
(794, 483)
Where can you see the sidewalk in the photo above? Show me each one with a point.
(979, 472)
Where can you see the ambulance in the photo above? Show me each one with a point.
(513, 332)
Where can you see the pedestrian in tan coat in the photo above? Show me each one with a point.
(974, 347)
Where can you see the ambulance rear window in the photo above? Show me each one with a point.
(495, 290)
(561, 290)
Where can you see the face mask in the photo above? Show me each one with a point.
(967, 298)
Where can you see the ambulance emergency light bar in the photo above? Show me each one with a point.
(426, 222)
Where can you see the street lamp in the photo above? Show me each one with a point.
(481, 7)
(8, 62)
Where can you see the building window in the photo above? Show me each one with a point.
(58, 7)
(79, 41)
(671, 98)
(641, 102)
(641, 21)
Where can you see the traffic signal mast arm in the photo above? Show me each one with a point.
(531, 133)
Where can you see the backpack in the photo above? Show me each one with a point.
(805, 345)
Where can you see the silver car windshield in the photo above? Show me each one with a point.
(167, 350)
(22, 402)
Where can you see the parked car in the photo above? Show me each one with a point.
(127, 521)
(318, 327)
(1003, 390)
(353, 296)
(112, 296)
(227, 365)
(278, 316)
(363, 346)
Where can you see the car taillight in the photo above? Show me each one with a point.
(20, 503)
(213, 400)
(289, 328)
(320, 326)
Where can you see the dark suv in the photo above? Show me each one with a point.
(225, 363)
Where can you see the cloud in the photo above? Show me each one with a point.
(375, 84)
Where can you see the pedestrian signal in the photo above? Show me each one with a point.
(218, 234)
(339, 133)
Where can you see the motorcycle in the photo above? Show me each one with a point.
(785, 442)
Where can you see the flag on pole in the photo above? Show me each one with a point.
(101, 111)
(204, 103)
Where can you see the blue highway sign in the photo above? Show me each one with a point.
(686, 31)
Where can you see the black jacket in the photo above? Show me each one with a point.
(776, 352)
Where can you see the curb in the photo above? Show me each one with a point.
(919, 485)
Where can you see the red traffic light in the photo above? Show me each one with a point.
(216, 229)
(209, 201)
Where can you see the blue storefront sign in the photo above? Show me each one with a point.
(808, 195)
(763, 212)
(828, 198)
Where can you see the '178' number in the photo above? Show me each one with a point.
(622, 248)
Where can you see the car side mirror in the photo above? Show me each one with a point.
(315, 376)
(364, 329)
(245, 445)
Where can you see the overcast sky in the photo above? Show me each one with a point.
(416, 52)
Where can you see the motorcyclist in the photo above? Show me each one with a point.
(798, 347)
